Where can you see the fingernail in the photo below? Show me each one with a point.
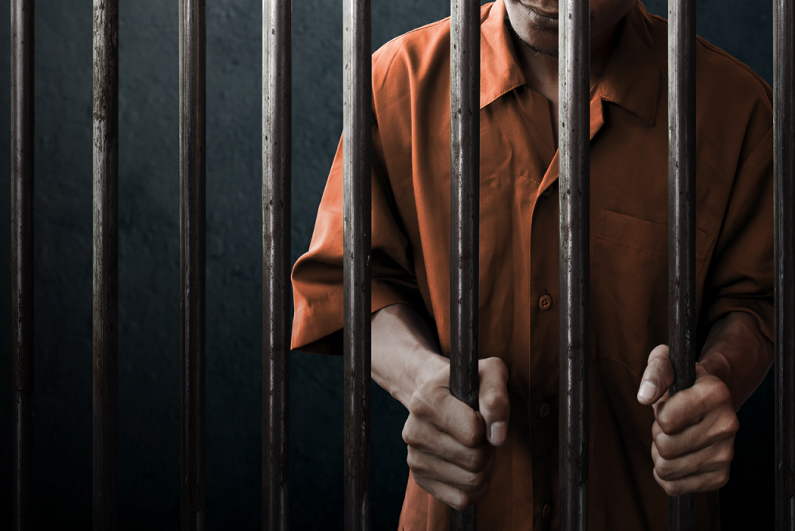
(497, 432)
(647, 391)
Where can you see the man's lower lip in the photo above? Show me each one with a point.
(540, 19)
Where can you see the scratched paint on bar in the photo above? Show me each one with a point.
(276, 128)
(192, 78)
(22, 38)
(357, 162)
(681, 216)
(783, 171)
(464, 213)
(574, 47)
(106, 232)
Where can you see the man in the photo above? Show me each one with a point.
(643, 446)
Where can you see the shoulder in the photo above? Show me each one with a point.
(731, 99)
(715, 67)
(412, 56)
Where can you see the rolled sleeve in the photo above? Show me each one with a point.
(317, 275)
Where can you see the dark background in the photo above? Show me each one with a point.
(149, 438)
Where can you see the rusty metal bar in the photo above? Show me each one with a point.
(464, 213)
(192, 143)
(22, 15)
(106, 232)
(783, 172)
(276, 131)
(682, 216)
(357, 164)
(574, 127)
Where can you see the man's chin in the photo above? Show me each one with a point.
(537, 43)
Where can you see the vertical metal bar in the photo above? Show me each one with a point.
(357, 163)
(464, 213)
(22, 258)
(574, 127)
(106, 231)
(682, 216)
(784, 171)
(192, 95)
(276, 131)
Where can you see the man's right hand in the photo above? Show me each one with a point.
(451, 447)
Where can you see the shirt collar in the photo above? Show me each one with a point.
(631, 78)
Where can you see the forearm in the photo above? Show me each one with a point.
(739, 354)
(404, 352)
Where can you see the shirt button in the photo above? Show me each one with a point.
(547, 192)
(547, 510)
(545, 302)
(544, 410)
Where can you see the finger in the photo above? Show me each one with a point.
(706, 482)
(425, 437)
(436, 468)
(436, 406)
(449, 495)
(657, 378)
(707, 460)
(493, 399)
(691, 406)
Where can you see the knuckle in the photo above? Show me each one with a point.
(411, 461)
(419, 405)
(473, 429)
(410, 432)
(662, 467)
(664, 448)
(493, 399)
(477, 459)
(725, 455)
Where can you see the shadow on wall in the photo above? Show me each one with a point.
(149, 436)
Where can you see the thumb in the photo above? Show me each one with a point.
(493, 400)
(657, 378)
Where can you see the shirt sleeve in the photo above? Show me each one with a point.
(317, 275)
(741, 275)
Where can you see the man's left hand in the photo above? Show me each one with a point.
(693, 432)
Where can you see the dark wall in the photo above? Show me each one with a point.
(149, 276)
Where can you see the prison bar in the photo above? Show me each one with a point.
(574, 144)
(682, 217)
(464, 213)
(276, 130)
(192, 147)
(783, 173)
(357, 207)
(106, 237)
(22, 15)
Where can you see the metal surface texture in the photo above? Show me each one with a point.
(464, 213)
(574, 186)
(22, 260)
(192, 142)
(784, 171)
(682, 216)
(106, 237)
(276, 130)
(357, 163)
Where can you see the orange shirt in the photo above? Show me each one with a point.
(519, 248)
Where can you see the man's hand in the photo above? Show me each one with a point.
(693, 432)
(451, 448)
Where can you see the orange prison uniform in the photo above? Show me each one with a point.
(519, 248)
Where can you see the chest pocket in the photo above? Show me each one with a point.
(629, 287)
